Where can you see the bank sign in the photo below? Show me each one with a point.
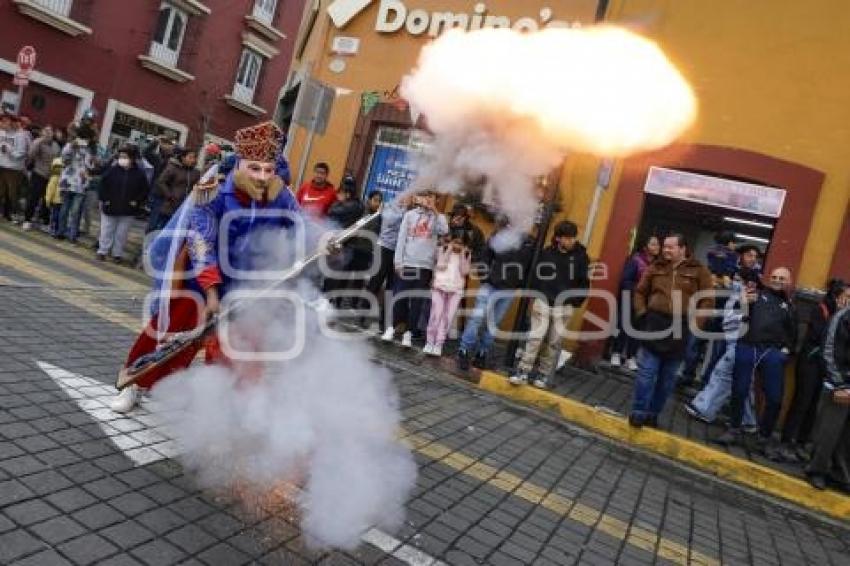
(397, 15)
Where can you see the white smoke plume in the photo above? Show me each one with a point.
(506, 107)
(326, 419)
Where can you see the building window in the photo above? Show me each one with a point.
(61, 7)
(247, 76)
(168, 36)
(55, 13)
(264, 10)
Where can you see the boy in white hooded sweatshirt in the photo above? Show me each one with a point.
(415, 255)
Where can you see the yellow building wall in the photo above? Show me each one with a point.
(771, 76)
(384, 59)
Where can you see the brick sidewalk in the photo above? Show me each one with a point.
(611, 389)
(498, 484)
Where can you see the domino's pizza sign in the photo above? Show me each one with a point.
(395, 15)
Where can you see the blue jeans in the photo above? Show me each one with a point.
(655, 381)
(718, 389)
(718, 348)
(488, 301)
(771, 361)
(70, 213)
(157, 220)
(692, 357)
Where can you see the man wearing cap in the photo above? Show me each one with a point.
(251, 200)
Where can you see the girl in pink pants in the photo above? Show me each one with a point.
(453, 264)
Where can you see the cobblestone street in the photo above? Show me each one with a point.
(497, 484)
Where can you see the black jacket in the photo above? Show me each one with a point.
(345, 213)
(508, 269)
(816, 327)
(558, 271)
(474, 236)
(157, 158)
(771, 321)
(122, 191)
(836, 349)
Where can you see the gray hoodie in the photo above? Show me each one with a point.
(417, 238)
(391, 216)
(15, 144)
(42, 153)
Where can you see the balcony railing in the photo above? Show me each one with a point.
(163, 54)
(61, 7)
(264, 11)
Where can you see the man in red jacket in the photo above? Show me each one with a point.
(317, 195)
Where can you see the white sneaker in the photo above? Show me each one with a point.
(518, 379)
(563, 358)
(436, 350)
(631, 364)
(407, 339)
(126, 400)
(388, 334)
(428, 350)
(321, 305)
(27, 226)
(540, 383)
(616, 361)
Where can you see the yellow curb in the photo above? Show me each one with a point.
(681, 449)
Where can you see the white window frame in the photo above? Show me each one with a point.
(55, 13)
(264, 10)
(61, 7)
(242, 90)
(161, 52)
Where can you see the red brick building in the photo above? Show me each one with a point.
(199, 68)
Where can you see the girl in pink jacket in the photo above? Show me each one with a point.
(453, 264)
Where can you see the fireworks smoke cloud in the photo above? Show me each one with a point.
(323, 416)
(506, 107)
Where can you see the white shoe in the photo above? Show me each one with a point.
(428, 350)
(321, 305)
(388, 334)
(616, 361)
(540, 383)
(563, 358)
(518, 379)
(436, 351)
(27, 226)
(126, 400)
(407, 339)
(631, 364)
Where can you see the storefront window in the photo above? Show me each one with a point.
(129, 128)
(392, 165)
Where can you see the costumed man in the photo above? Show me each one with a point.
(195, 267)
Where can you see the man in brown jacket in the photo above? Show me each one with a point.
(663, 305)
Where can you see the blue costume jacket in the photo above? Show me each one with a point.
(199, 224)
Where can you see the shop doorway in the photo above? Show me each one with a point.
(699, 223)
(699, 206)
